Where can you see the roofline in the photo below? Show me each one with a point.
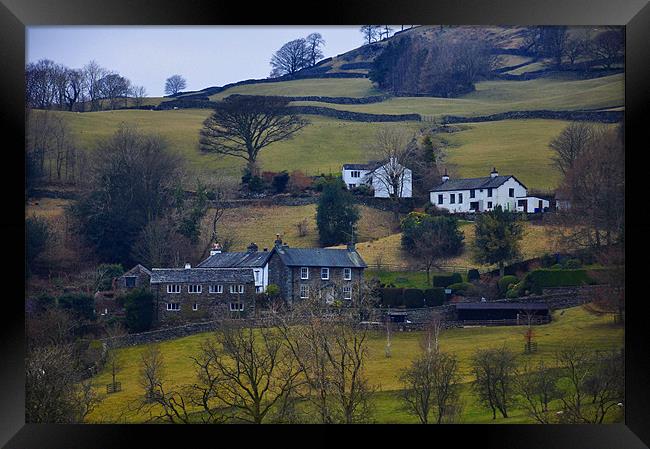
(505, 176)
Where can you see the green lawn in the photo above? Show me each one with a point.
(569, 326)
(493, 97)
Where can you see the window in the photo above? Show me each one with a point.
(173, 288)
(259, 289)
(472, 193)
(452, 198)
(214, 288)
(304, 273)
(194, 288)
(173, 306)
(511, 193)
(351, 186)
(325, 273)
(489, 204)
(257, 275)
(460, 198)
(236, 306)
(347, 292)
(304, 291)
(440, 199)
(355, 174)
(195, 307)
(347, 274)
(130, 281)
(236, 289)
(490, 193)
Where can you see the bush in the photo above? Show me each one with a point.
(37, 235)
(105, 274)
(505, 282)
(548, 260)
(280, 182)
(447, 280)
(138, 306)
(556, 266)
(572, 264)
(434, 296)
(473, 275)
(298, 181)
(536, 280)
(513, 291)
(413, 298)
(79, 303)
(391, 297)
(462, 288)
(363, 190)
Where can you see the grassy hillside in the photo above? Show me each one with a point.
(324, 87)
(569, 326)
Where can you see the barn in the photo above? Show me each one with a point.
(480, 311)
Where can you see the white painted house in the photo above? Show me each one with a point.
(378, 175)
(484, 194)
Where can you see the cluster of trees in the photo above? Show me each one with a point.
(375, 33)
(443, 67)
(297, 54)
(280, 373)
(556, 42)
(92, 87)
(586, 386)
(134, 208)
(336, 214)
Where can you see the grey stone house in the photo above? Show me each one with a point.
(330, 274)
(258, 261)
(136, 277)
(186, 294)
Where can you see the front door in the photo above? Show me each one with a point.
(473, 205)
(524, 204)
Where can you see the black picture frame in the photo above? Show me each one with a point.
(15, 15)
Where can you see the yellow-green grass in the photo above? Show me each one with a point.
(261, 224)
(323, 87)
(570, 326)
(537, 240)
(492, 97)
(322, 146)
(539, 65)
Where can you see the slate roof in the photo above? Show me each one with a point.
(369, 166)
(137, 270)
(486, 182)
(320, 257)
(500, 306)
(237, 260)
(199, 275)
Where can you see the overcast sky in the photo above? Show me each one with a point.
(205, 56)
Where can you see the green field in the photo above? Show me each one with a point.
(322, 87)
(569, 326)
(492, 97)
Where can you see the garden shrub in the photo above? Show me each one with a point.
(447, 280)
(280, 182)
(462, 288)
(548, 260)
(513, 291)
(505, 282)
(473, 275)
(557, 266)
(138, 305)
(392, 297)
(434, 296)
(536, 280)
(105, 274)
(413, 298)
(81, 304)
(572, 264)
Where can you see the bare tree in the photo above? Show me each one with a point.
(74, 86)
(242, 126)
(93, 74)
(290, 58)
(385, 31)
(570, 144)
(314, 42)
(114, 88)
(174, 84)
(609, 46)
(138, 93)
(370, 33)
(494, 373)
(395, 148)
(537, 386)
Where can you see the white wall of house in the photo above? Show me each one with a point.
(356, 180)
(482, 200)
(261, 276)
(532, 203)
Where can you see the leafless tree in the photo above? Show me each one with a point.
(609, 296)
(243, 126)
(536, 384)
(114, 88)
(370, 33)
(574, 49)
(74, 87)
(93, 74)
(174, 84)
(385, 31)
(494, 373)
(609, 46)
(138, 93)
(395, 148)
(292, 56)
(314, 42)
(571, 143)
(221, 191)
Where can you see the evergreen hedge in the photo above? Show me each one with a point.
(434, 296)
(447, 280)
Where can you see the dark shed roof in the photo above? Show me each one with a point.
(486, 182)
(237, 260)
(320, 257)
(501, 306)
(137, 270)
(187, 275)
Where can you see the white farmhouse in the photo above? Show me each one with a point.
(484, 194)
(380, 176)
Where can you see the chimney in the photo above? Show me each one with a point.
(352, 247)
(252, 248)
(278, 240)
(445, 177)
(187, 266)
(494, 173)
(216, 249)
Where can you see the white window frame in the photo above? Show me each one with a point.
(325, 270)
(304, 288)
(306, 270)
(236, 288)
(173, 288)
(197, 287)
(216, 288)
(355, 174)
(347, 292)
(441, 198)
(170, 307)
(460, 198)
(256, 274)
(452, 198)
(347, 274)
(239, 306)
(195, 307)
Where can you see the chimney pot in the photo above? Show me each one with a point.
(187, 266)
(494, 173)
(445, 177)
